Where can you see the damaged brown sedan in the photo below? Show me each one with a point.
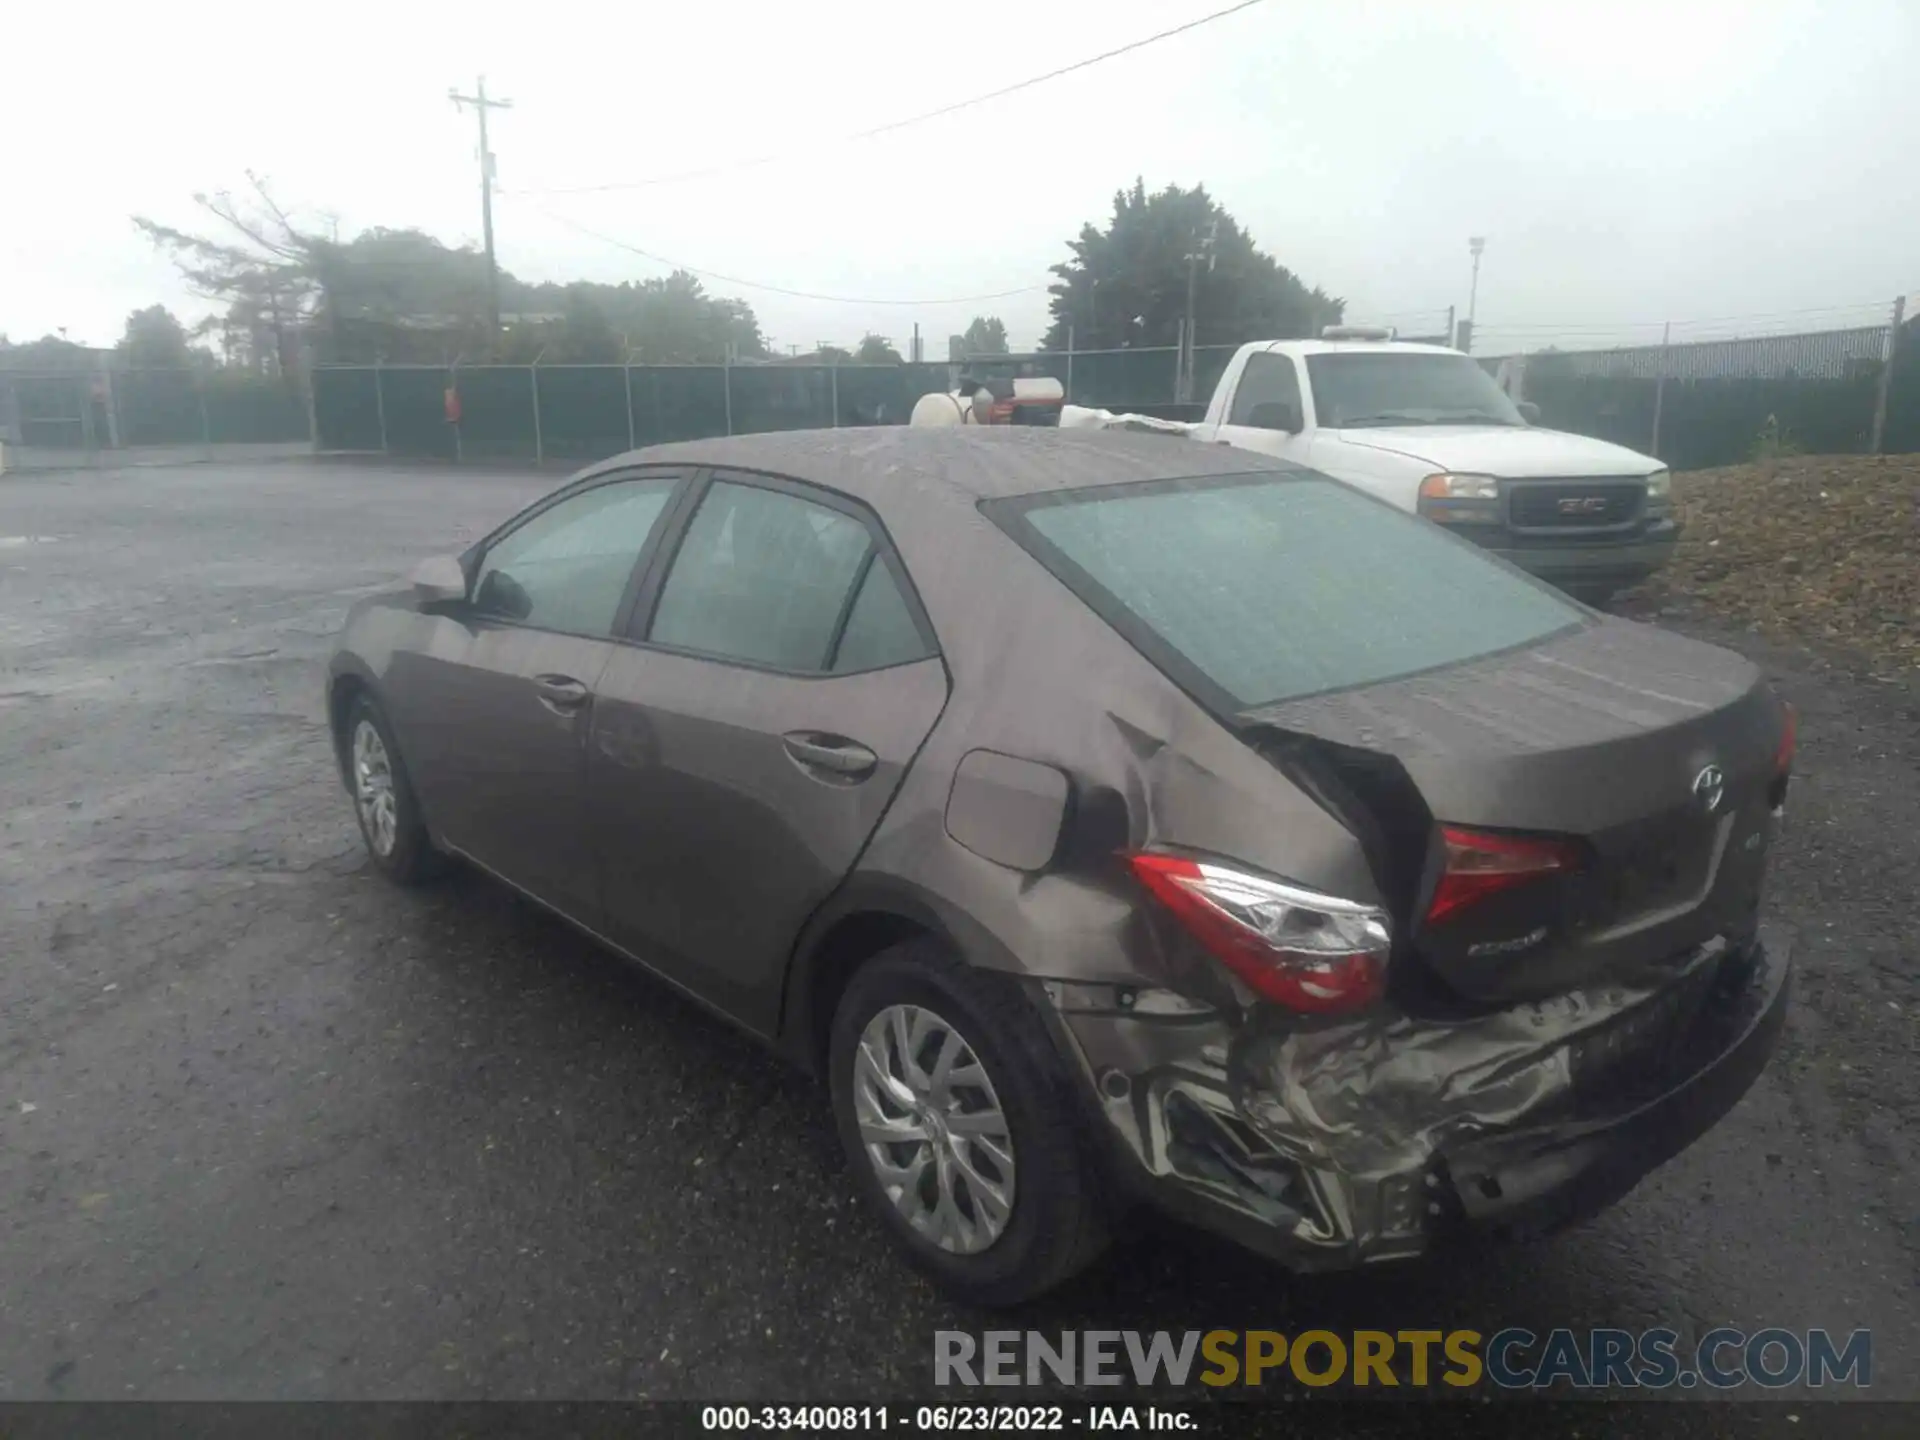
(1107, 818)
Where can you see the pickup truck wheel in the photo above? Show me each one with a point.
(1595, 595)
(956, 1118)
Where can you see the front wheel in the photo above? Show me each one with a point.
(383, 800)
(1597, 596)
(954, 1111)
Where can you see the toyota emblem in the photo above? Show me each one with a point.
(1709, 788)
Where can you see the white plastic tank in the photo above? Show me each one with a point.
(941, 408)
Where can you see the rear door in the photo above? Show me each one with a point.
(502, 697)
(779, 679)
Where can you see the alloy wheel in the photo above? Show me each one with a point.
(373, 788)
(933, 1128)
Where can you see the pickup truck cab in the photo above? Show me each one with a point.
(1425, 428)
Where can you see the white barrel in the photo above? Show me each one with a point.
(938, 409)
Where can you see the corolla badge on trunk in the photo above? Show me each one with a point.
(1508, 947)
(1710, 787)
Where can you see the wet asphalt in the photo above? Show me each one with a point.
(271, 1128)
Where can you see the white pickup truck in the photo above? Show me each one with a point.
(1425, 428)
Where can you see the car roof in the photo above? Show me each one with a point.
(1346, 347)
(973, 463)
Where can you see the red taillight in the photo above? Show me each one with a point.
(1479, 865)
(1310, 952)
(1783, 759)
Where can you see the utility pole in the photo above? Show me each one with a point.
(1203, 251)
(1475, 245)
(481, 104)
(1891, 348)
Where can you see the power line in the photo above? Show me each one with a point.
(776, 289)
(732, 166)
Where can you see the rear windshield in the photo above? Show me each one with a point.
(1274, 587)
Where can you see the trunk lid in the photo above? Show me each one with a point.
(1654, 752)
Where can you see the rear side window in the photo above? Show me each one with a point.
(771, 579)
(1275, 587)
(880, 628)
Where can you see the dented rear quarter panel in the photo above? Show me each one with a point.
(1038, 676)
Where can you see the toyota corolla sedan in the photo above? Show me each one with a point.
(1107, 819)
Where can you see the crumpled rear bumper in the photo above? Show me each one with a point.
(1334, 1145)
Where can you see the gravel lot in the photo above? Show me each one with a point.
(271, 1128)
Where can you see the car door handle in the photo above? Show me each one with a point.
(842, 757)
(560, 693)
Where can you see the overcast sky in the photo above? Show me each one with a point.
(1627, 163)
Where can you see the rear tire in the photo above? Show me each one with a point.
(391, 824)
(1007, 1131)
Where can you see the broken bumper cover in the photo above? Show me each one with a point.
(1339, 1145)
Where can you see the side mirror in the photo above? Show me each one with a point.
(502, 595)
(1529, 411)
(1276, 415)
(439, 581)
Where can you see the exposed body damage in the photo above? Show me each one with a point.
(1361, 1141)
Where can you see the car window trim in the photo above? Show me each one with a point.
(851, 599)
(880, 545)
(1009, 514)
(475, 555)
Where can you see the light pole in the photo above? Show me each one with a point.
(1475, 245)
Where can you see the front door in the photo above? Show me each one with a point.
(1269, 410)
(501, 702)
(743, 751)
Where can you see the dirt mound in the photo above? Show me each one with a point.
(1816, 550)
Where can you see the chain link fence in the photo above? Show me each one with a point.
(583, 412)
(1722, 402)
(1693, 405)
(80, 417)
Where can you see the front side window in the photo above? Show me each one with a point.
(1275, 587)
(767, 577)
(1268, 395)
(1354, 389)
(567, 568)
